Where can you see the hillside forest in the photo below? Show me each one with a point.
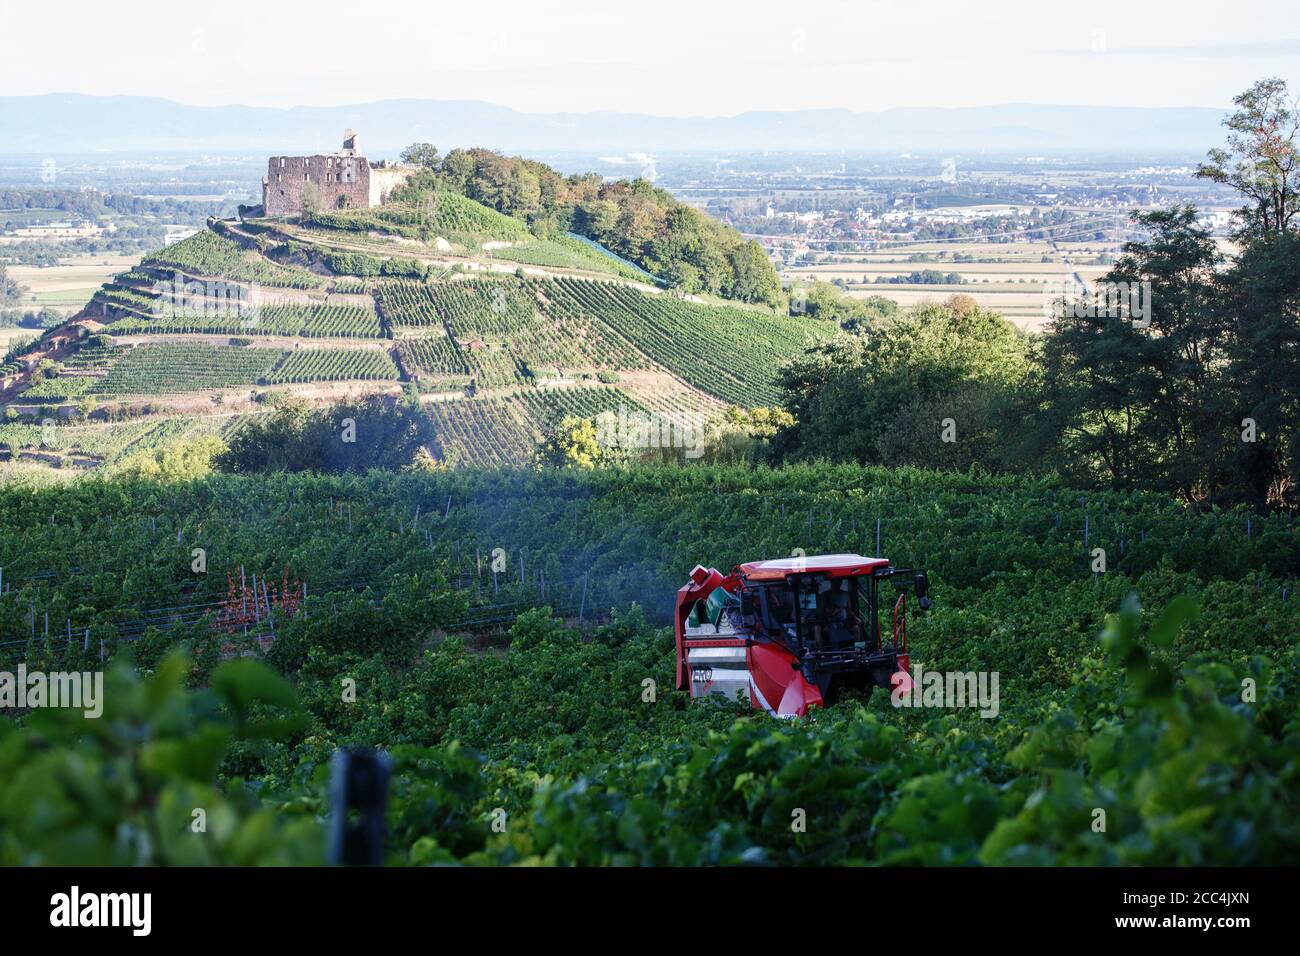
(677, 243)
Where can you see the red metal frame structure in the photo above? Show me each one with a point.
(789, 633)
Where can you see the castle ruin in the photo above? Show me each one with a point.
(343, 180)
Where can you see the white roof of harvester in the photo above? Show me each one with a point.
(836, 565)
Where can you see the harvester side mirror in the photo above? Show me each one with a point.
(922, 585)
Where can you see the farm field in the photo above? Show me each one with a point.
(480, 431)
(494, 354)
(69, 285)
(1015, 278)
(74, 272)
(10, 334)
(442, 213)
(194, 365)
(681, 361)
(506, 329)
(731, 353)
(400, 567)
(570, 252)
(498, 358)
(508, 425)
(388, 235)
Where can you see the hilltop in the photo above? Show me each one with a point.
(434, 299)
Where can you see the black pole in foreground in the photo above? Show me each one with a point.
(358, 796)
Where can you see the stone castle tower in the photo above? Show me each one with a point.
(342, 180)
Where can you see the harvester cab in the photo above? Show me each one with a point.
(790, 634)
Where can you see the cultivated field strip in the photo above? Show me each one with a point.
(178, 367)
(434, 356)
(505, 328)
(732, 353)
(207, 254)
(548, 406)
(331, 365)
(482, 431)
(305, 321)
(183, 367)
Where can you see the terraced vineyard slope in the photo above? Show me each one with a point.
(499, 333)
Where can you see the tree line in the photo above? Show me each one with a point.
(675, 242)
(91, 204)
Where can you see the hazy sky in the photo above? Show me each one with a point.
(670, 57)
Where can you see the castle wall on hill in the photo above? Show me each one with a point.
(383, 179)
(343, 182)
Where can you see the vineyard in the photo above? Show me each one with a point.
(729, 352)
(548, 406)
(330, 365)
(571, 252)
(488, 431)
(391, 580)
(307, 321)
(170, 367)
(434, 355)
(331, 241)
(65, 388)
(89, 439)
(482, 431)
(94, 356)
(500, 330)
(976, 534)
(182, 367)
(508, 329)
(635, 271)
(207, 254)
(118, 297)
(110, 443)
(518, 352)
(78, 373)
(677, 405)
(438, 213)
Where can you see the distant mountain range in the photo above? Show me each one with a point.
(69, 122)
